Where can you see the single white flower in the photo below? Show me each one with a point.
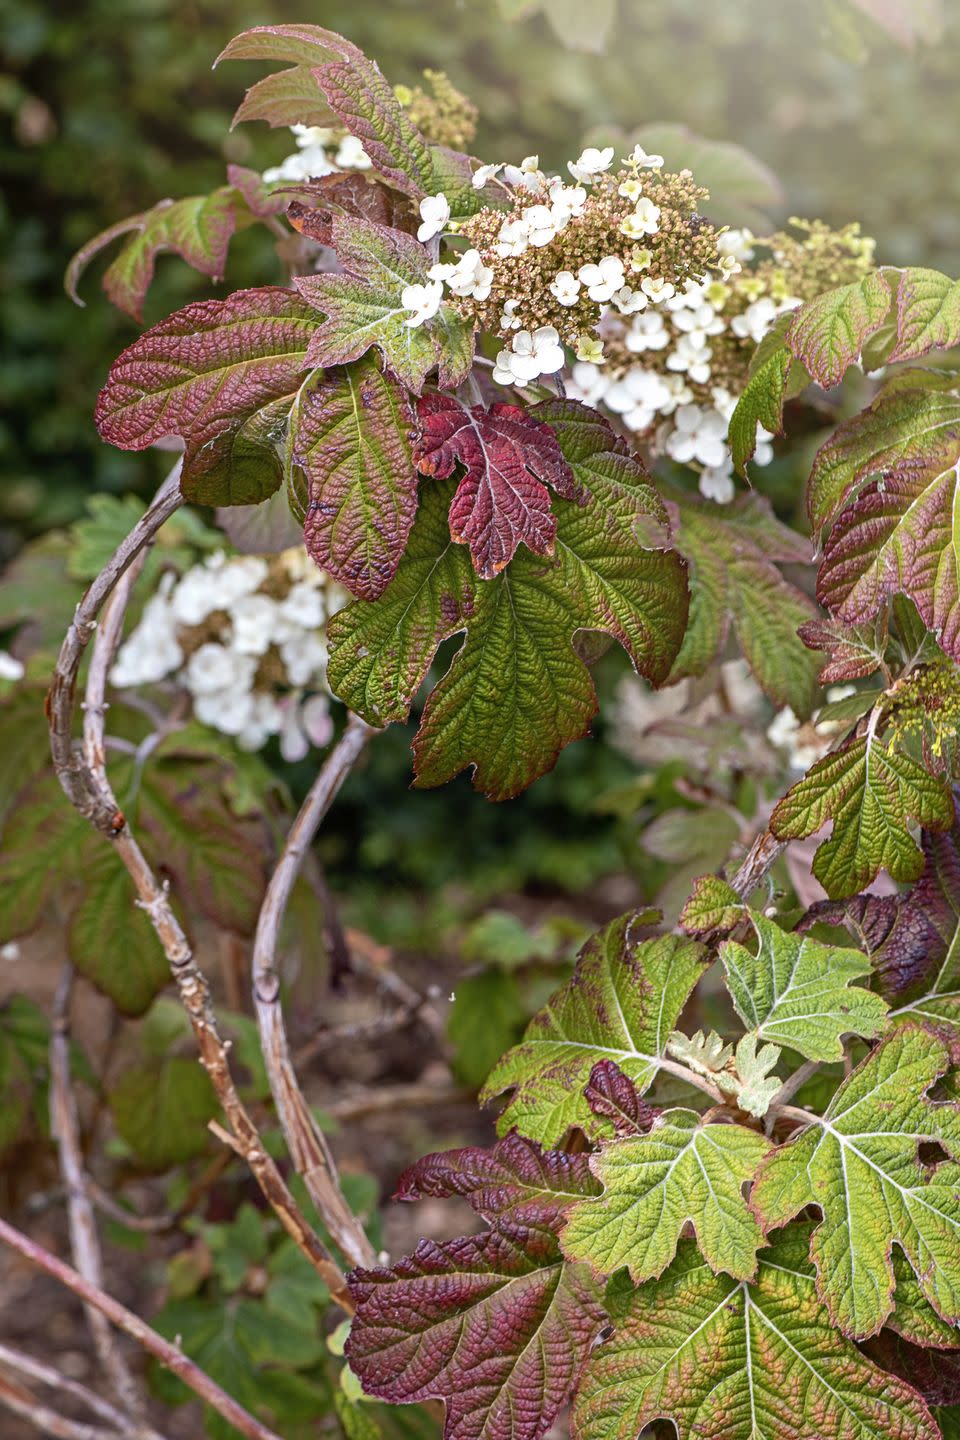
(629, 301)
(527, 175)
(468, 277)
(691, 357)
(566, 201)
(784, 732)
(701, 321)
(763, 454)
(736, 243)
(434, 213)
(422, 300)
(512, 239)
(303, 605)
(304, 723)
(531, 354)
(10, 666)
(592, 162)
(602, 280)
(644, 220)
(680, 393)
(351, 154)
(698, 435)
(657, 290)
(716, 483)
(508, 315)
(647, 332)
(588, 383)
(485, 174)
(630, 189)
(565, 287)
(639, 157)
(540, 225)
(638, 396)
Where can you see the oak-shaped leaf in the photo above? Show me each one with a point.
(510, 457)
(912, 939)
(861, 1168)
(498, 1326)
(871, 791)
(513, 1184)
(900, 532)
(728, 1360)
(221, 374)
(349, 87)
(516, 692)
(362, 307)
(350, 434)
(622, 1002)
(683, 1172)
(198, 228)
(885, 315)
(613, 1096)
(796, 992)
(736, 584)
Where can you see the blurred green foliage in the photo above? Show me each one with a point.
(109, 105)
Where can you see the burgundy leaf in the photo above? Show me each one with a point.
(498, 1327)
(352, 433)
(510, 459)
(907, 937)
(212, 373)
(513, 1184)
(853, 652)
(346, 195)
(613, 1096)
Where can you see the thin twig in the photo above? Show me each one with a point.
(789, 1088)
(760, 858)
(50, 1422)
(84, 1239)
(168, 1354)
(397, 1097)
(55, 1380)
(103, 1201)
(307, 1143)
(89, 790)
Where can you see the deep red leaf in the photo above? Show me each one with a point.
(497, 1327)
(510, 459)
(613, 1096)
(512, 1184)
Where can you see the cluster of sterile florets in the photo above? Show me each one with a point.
(542, 274)
(673, 374)
(245, 637)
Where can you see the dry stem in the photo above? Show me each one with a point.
(305, 1140)
(83, 777)
(168, 1354)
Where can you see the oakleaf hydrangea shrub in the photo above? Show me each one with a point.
(739, 1215)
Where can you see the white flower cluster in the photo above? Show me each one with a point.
(312, 158)
(246, 639)
(685, 424)
(532, 354)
